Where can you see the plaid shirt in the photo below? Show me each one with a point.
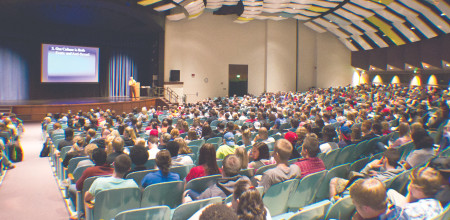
(310, 165)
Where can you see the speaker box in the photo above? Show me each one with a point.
(174, 76)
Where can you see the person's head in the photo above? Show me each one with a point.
(55, 126)
(89, 149)
(421, 139)
(246, 135)
(403, 129)
(263, 133)
(282, 150)
(183, 149)
(356, 134)
(192, 135)
(163, 161)
(228, 139)
(207, 157)
(425, 182)
(442, 164)
(247, 201)
(122, 164)
(366, 126)
(218, 211)
(243, 157)
(99, 157)
(118, 144)
(68, 133)
(165, 138)
(260, 151)
(129, 132)
(369, 197)
(310, 147)
(291, 137)
(392, 156)
(173, 147)
(139, 155)
(206, 130)
(231, 165)
(328, 133)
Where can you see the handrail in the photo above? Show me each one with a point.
(171, 95)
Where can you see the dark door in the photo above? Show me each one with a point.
(238, 80)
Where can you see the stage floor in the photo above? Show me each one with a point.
(72, 101)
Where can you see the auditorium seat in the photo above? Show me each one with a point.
(186, 210)
(323, 192)
(303, 194)
(400, 182)
(345, 155)
(276, 197)
(168, 193)
(264, 168)
(202, 183)
(359, 164)
(108, 203)
(314, 211)
(342, 209)
(216, 141)
(138, 176)
(330, 158)
(80, 194)
(182, 170)
(155, 212)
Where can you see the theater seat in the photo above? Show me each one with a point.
(155, 212)
(168, 193)
(186, 210)
(138, 176)
(330, 158)
(323, 192)
(342, 209)
(182, 170)
(276, 197)
(202, 183)
(304, 193)
(108, 203)
(314, 211)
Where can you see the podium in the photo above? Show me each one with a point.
(136, 89)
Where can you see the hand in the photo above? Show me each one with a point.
(373, 173)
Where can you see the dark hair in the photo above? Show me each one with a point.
(173, 147)
(393, 156)
(329, 132)
(139, 155)
(218, 212)
(68, 133)
(163, 161)
(311, 144)
(263, 150)
(122, 163)
(99, 156)
(206, 130)
(250, 205)
(231, 165)
(421, 139)
(207, 156)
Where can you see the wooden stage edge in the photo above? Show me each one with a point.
(36, 113)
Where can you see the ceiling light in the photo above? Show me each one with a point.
(391, 68)
(412, 28)
(409, 67)
(447, 64)
(443, 14)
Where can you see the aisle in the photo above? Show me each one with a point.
(30, 191)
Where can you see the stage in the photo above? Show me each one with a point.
(36, 110)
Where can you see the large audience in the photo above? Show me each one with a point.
(287, 135)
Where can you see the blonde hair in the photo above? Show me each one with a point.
(283, 148)
(130, 133)
(369, 192)
(184, 149)
(108, 141)
(174, 133)
(243, 156)
(89, 149)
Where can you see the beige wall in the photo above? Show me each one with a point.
(207, 45)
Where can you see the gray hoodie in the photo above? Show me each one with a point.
(223, 187)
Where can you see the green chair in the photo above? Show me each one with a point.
(228, 199)
(270, 145)
(263, 169)
(186, 210)
(250, 172)
(216, 141)
(155, 212)
(359, 164)
(376, 156)
(60, 166)
(108, 203)
(330, 158)
(72, 165)
(78, 172)
(150, 164)
(168, 193)
(276, 197)
(305, 191)
(219, 163)
(323, 192)
(342, 209)
(313, 212)
(345, 155)
(406, 149)
(198, 143)
(138, 176)
(182, 170)
(200, 184)
(400, 182)
(80, 194)
(358, 151)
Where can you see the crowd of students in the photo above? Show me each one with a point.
(286, 129)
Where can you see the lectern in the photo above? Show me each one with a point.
(136, 88)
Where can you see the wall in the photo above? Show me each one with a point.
(207, 45)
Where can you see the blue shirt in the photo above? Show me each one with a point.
(158, 177)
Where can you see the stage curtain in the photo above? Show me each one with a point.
(121, 67)
(13, 75)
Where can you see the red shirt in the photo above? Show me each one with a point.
(197, 172)
(93, 171)
(310, 165)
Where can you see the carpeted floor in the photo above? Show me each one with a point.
(30, 191)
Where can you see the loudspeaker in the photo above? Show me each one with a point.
(174, 75)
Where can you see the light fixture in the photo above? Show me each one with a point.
(443, 14)
(412, 28)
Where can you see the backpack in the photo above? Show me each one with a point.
(45, 151)
(15, 152)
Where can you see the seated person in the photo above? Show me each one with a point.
(282, 152)
(423, 149)
(225, 186)
(207, 163)
(369, 198)
(228, 146)
(260, 155)
(263, 136)
(100, 168)
(139, 156)
(122, 164)
(385, 168)
(117, 145)
(218, 212)
(419, 202)
(77, 150)
(248, 203)
(404, 136)
(163, 162)
(310, 163)
(178, 160)
(328, 134)
(88, 150)
(68, 139)
(442, 165)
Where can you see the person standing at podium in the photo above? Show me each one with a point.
(132, 84)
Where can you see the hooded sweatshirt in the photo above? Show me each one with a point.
(223, 187)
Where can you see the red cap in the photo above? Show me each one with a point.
(329, 108)
(291, 137)
(154, 132)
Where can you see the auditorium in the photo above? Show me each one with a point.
(225, 109)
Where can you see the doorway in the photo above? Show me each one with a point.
(237, 80)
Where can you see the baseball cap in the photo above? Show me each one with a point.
(291, 137)
(154, 132)
(229, 138)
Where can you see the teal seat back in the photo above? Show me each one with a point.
(345, 155)
(406, 149)
(200, 184)
(198, 143)
(305, 191)
(109, 203)
(216, 141)
(64, 151)
(182, 170)
(400, 182)
(219, 163)
(263, 169)
(276, 197)
(270, 145)
(359, 164)
(358, 151)
(79, 171)
(250, 172)
(74, 162)
(445, 153)
(186, 210)
(323, 192)
(314, 212)
(342, 209)
(138, 176)
(168, 193)
(80, 194)
(150, 164)
(156, 212)
(330, 158)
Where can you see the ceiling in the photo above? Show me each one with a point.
(359, 24)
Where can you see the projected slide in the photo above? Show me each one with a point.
(63, 63)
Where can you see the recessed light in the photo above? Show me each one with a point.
(443, 14)
(412, 28)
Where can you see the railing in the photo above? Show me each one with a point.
(167, 93)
